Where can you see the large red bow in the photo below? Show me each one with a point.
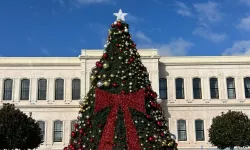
(134, 100)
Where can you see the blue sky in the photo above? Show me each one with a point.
(174, 27)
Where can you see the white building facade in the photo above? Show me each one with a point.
(191, 90)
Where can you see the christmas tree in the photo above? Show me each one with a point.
(120, 111)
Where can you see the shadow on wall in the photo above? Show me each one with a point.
(164, 74)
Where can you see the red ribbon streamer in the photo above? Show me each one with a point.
(134, 100)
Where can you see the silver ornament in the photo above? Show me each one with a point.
(99, 83)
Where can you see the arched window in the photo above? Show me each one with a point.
(42, 89)
(163, 88)
(182, 130)
(76, 89)
(179, 87)
(25, 89)
(73, 124)
(58, 131)
(214, 90)
(7, 91)
(247, 87)
(59, 89)
(231, 94)
(42, 127)
(197, 94)
(199, 130)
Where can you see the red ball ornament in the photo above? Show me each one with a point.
(154, 95)
(119, 24)
(116, 45)
(81, 131)
(151, 139)
(73, 134)
(71, 146)
(127, 48)
(76, 125)
(79, 143)
(99, 125)
(162, 134)
(114, 85)
(98, 64)
(121, 50)
(112, 25)
(90, 140)
(105, 55)
(131, 59)
(65, 148)
(123, 92)
(148, 116)
(134, 45)
(159, 123)
(80, 148)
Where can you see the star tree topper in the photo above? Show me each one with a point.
(120, 15)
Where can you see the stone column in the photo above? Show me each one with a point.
(16, 88)
(33, 90)
(1, 91)
(171, 89)
(68, 90)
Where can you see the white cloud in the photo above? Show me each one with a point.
(45, 52)
(134, 19)
(210, 35)
(244, 23)
(247, 2)
(208, 11)
(239, 48)
(92, 1)
(183, 10)
(176, 47)
(141, 36)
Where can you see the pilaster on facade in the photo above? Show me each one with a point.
(68, 90)
(206, 89)
(171, 89)
(222, 84)
(17, 91)
(188, 89)
(33, 90)
(240, 90)
(1, 91)
(51, 94)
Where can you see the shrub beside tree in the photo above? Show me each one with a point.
(229, 130)
(17, 130)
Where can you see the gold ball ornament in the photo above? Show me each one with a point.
(105, 65)
(104, 76)
(106, 83)
(92, 77)
(99, 76)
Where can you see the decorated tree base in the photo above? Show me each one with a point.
(120, 111)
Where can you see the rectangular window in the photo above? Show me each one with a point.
(231, 88)
(76, 89)
(182, 131)
(199, 129)
(58, 131)
(214, 90)
(7, 93)
(197, 88)
(179, 86)
(59, 89)
(25, 88)
(42, 89)
(163, 88)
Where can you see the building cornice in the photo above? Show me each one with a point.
(204, 60)
(96, 54)
(39, 61)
